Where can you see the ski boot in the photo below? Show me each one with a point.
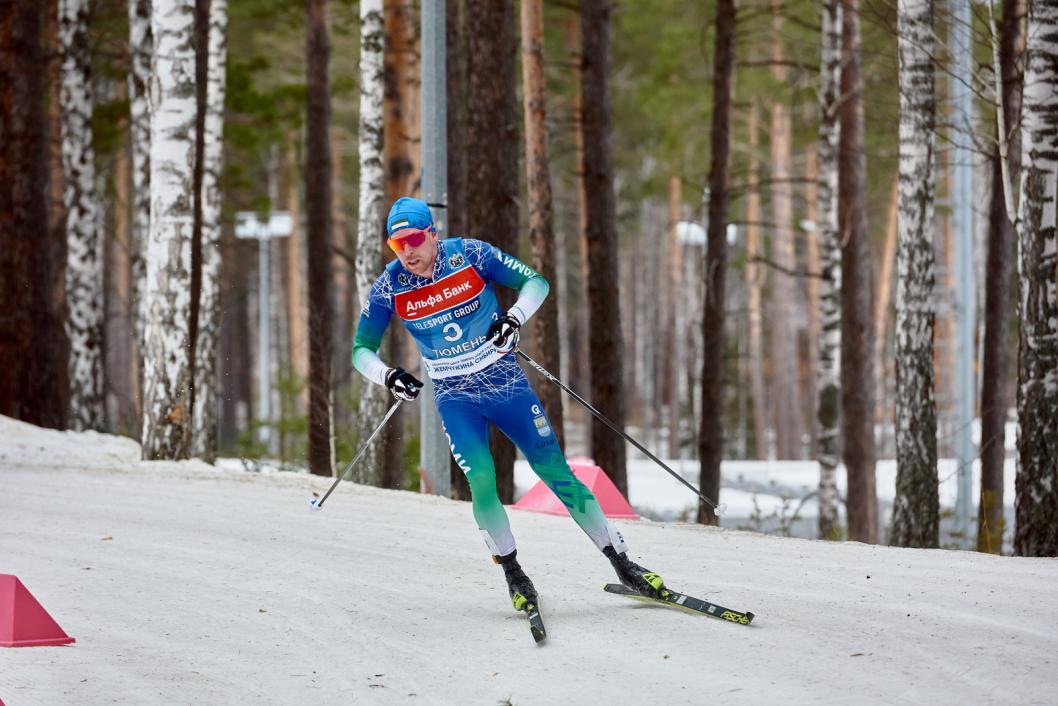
(522, 591)
(634, 576)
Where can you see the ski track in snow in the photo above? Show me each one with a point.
(222, 587)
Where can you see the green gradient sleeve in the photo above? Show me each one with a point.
(374, 318)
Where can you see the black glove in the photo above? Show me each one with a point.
(504, 333)
(403, 384)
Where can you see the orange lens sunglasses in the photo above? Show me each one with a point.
(413, 239)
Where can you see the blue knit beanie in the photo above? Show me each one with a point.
(408, 212)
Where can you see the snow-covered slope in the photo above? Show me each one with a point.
(188, 585)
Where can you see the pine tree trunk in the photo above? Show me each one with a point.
(34, 385)
(546, 334)
(754, 282)
(345, 308)
(120, 365)
(828, 384)
(297, 347)
(579, 366)
(998, 302)
(492, 174)
(672, 327)
(456, 87)
(604, 332)
(84, 222)
(711, 432)
(371, 213)
(785, 400)
(1036, 487)
(398, 167)
(204, 432)
(235, 369)
(141, 48)
(166, 432)
(885, 296)
(916, 507)
(318, 207)
(857, 366)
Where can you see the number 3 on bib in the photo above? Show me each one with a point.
(452, 332)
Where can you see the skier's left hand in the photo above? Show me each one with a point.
(504, 333)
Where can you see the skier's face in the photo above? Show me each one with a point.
(419, 259)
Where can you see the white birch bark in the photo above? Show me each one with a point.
(141, 46)
(166, 429)
(916, 507)
(1036, 485)
(204, 424)
(369, 260)
(828, 403)
(84, 261)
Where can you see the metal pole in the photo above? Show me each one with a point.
(433, 449)
(264, 391)
(962, 226)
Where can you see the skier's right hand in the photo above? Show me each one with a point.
(403, 384)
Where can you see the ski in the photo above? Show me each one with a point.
(536, 623)
(532, 611)
(680, 600)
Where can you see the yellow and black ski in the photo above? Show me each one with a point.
(532, 611)
(680, 600)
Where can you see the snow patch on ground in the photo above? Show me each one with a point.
(184, 583)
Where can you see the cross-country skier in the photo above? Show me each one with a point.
(442, 292)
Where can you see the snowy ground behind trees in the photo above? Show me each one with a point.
(187, 584)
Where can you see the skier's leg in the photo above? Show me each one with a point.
(523, 420)
(468, 437)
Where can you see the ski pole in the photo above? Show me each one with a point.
(317, 505)
(719, 508)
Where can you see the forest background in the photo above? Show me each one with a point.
(659, 122)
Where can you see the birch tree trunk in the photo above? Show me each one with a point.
(711, 432)
(785, 399)
(166, 432)
(998, 302)
(916, 507)
(812, 264)
(55, 355)
(605, 346)
(546, 334)
(828, 384)
(204, 426)
(318, 207)
(754, 282)
(369, 261)
(1036, 487)
(141, 49)
(84, 222)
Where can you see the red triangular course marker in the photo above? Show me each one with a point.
(23, 621)
(613, 504)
